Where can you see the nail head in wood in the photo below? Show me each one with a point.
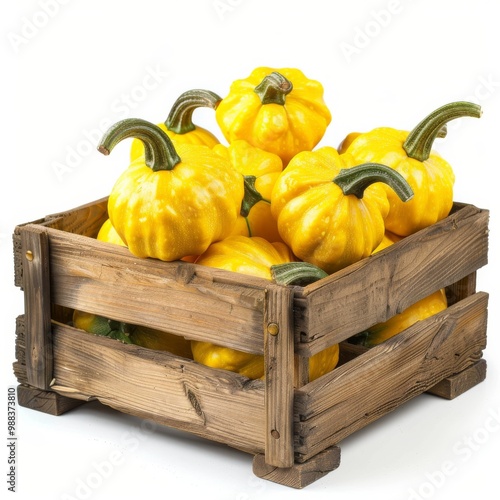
(29, 255)
(273, 329)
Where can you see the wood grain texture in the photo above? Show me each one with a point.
(37, 309)
(391, 280)
(194, 301)
(279, 366)
(461, 289)
(85, 220)
(454, 386)
(215, 404)
(302, 474)
(45, 401)
(378, 381)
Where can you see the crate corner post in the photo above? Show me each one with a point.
(34, 371)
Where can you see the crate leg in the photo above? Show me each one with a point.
(45, 401)
(300, 474)
(457, 384)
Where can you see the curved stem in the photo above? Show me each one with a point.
(160, 153)
(296, 273)
(273, 89)
(180, 118)
(356, 179)
(251, 197)
(418, 144)
(249, 229)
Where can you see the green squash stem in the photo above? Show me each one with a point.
(180, 118)
(251, 197)
(296, 273)
(418, 144)
(159, 151)
(356, 179)
(273, 89)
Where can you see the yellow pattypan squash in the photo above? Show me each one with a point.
(108, 233)
(430, 176)
(331, 211)
(172, 202)
(278, 110)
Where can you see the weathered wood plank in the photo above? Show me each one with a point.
(378, 381)
(461, 289)
(45, 401)
(448, 388)
(159, 386)
(279, 378)
(454, 386)
(197, 302)
(391, 280)
(302, 474)
(454, 292)
(301, 371)
(85, 220)
(36, 285)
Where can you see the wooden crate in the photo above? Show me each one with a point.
(293, 427)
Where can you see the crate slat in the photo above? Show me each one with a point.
(391, 280)
(85, 220)
(378, 381)
(177, 392)
(185, 299)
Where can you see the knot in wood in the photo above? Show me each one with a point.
(194, 402)
(184, 273)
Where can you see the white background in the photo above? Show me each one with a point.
(73, 67)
